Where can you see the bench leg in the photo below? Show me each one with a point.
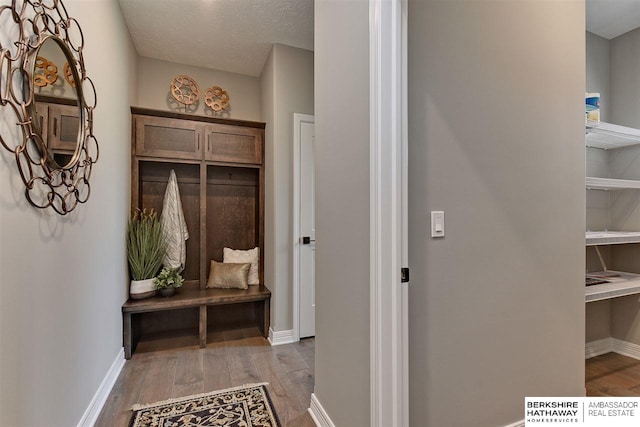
(203, 326)
(267, 318)
(127, 338)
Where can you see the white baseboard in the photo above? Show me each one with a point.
(93, 411)
(598, 347)
(281, 337)
(318, 414)
(321, 418)
(608, 345)
(626, 348)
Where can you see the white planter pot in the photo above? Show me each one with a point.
(141, 289)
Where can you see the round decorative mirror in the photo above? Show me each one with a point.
(44, 85)
(57, 101)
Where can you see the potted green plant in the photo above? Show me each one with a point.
(145, 250)
(167, 281)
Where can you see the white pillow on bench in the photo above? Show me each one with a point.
(237, 256)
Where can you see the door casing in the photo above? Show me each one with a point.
(298, 119)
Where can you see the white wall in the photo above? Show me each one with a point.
(342, 210)
(496, 140)
(287, 88)
(64, 278)
(155, 76)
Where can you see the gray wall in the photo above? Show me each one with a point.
(342, 210)
(286, 87)
(598, 72)
(64, 278)
(625, 79)
(155, 76)
(496, 307)
(598, 324)
(625, 319)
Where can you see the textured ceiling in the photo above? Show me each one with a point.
(611, 18)
(236, 35)
(228, 35)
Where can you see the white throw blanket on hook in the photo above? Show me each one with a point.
(174, 227)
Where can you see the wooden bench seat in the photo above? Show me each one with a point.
(193, 296)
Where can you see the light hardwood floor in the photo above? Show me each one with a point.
(231, 358)
(612, 374)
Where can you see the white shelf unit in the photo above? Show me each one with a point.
(594, 183)
(597, 238)
(609, 136)
(606, 135)
(620, 284)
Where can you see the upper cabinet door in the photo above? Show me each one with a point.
(226, 143)
(63, 127)
(172, 138)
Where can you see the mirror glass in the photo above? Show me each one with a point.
(57, 110)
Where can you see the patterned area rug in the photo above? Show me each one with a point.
(244, 406)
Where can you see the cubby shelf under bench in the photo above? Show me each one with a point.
(194, 297)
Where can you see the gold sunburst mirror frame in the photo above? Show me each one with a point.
(49, 182)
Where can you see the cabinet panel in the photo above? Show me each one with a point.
(233, 144)
(154, 177)
(160, 137)
(63, 127)
(232, 210)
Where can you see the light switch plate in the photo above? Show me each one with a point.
(437, 223)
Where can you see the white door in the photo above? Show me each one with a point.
(306, 232)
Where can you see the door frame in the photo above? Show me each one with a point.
(389, 376)
(298, 119)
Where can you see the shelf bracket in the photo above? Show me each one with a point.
(604, 266)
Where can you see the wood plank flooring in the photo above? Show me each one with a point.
(612, 374)
(157, 372)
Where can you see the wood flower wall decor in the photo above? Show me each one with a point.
(216, 98)
(185, 90)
